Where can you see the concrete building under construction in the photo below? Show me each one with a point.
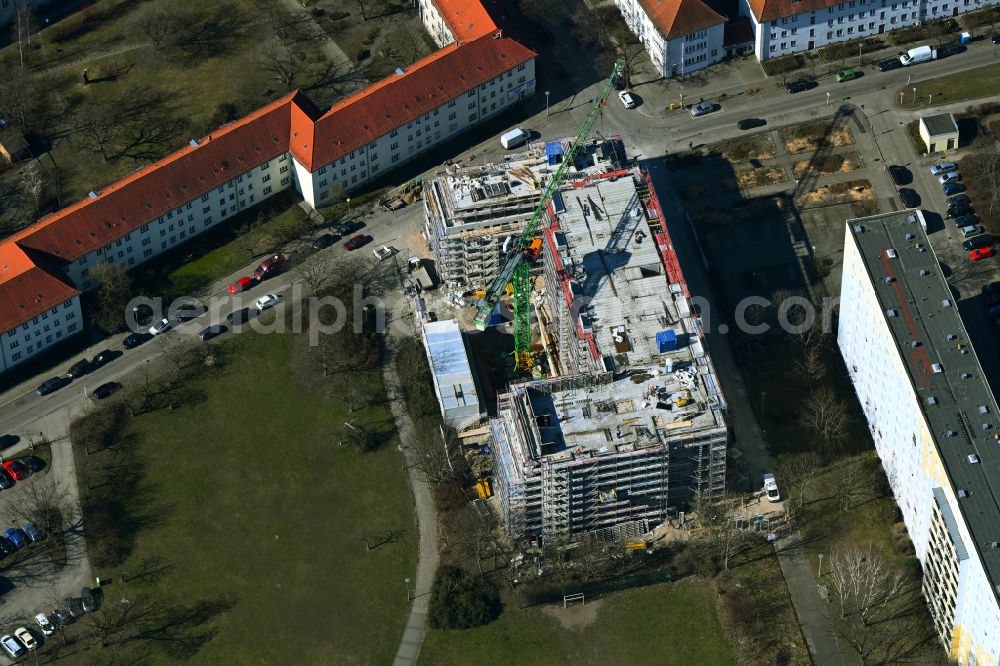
(629, 425)
(471, 212)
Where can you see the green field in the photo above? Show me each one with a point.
(257, 516)
(969, 84)
(675, 623)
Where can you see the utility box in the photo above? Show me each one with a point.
(666, 341)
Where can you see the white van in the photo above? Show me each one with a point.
(514, 138)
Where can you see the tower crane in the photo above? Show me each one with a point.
(516, 269)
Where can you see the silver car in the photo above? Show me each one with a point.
(948, 177)
(701, 108)
(944, 167)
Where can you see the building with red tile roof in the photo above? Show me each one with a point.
(288, 143)
(681, 36)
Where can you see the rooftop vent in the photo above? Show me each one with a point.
(932, 400)
(859, 229)
(911, 236)
(400, 71)
(914, 344)
(973, 458)
(936, 367)
(962, 493)
(966, 375)
(912, 219)
(924, 272)
(887, 279)
(951, 336)
(986, 427)
(983, 409)
(92, 194)
(890, 313)
(193, 143)
(891, 253)
(946, 303)
(950, 433)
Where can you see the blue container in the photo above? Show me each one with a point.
(553, 152)
(666, 341)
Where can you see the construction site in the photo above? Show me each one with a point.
(472, 214)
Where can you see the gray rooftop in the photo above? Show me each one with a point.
(942, 366)
(450, 370)
(940, 123)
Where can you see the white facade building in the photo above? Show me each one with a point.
(935, 422)
(680, 36)
(782, 27)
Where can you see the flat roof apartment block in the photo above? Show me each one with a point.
(631, 425)
(934, 420)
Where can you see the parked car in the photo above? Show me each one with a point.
(771, 488)
(161, 326)
(135, 339)
(267, 301)
(240, 285)
(701, 108)
(324, 241)
(211, 332)
(60, 618)
(900, 174)
(971, 230)
(889, 65)
(800, 86)
(981, 253)
(16, 469)
(909, 197)
(11, 646)
(959, 210)
(106, 390)
(949, 177)
(6, 483)
(104, 357)
(750, 123)
(34, 536)
(42, 620)
(977, 243)
(953, 188)
(358, 241)
(996, 39)
(24, 635)
(957, 200)
(51, 385)
(188, 311)
(33, 463)
(79, 369)
(628, 99)
(89, 599)
(240, 316)
(6, 547)
(943, 167)
(16, 537)
(270, 266)
(966, 220)
(8, 440)
(846, 75)
(74, 606)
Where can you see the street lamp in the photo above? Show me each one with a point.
(828, 99)
(908, 77)
(819, 571)
(859, 54)
(546, 103)
(407, 581)
(914, 96)
(763, 394)
(348, 206)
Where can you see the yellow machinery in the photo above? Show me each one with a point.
(483, 488)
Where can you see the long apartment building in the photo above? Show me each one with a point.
(782, 27)
(287, 144)
(934, 419)
(472, 214)
(630, 425)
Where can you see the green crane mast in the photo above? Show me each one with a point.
(517, 267)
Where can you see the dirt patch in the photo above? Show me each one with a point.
(761, 177)
(828, 164)
(810, 137)
(758, 147)
(578, 616)
(852, 191)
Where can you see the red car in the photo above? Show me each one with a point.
(269, 267)
(357, 241)
(16, 470)
(981, 253)
(242, 284)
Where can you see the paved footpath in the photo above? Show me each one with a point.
(427, 550)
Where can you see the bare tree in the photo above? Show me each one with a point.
(113, 292)
(797, 472)
(725, 534)
(48, 506)
(246, 238)
(159, 23)
(856, 480)
(471, 533)
(97, 128)
(813, 343)
(33, 183)
(24, 26)
(869, 594)
(826, 415)
(314, 275)
(280, 63)
(17, 94)
(433, 452)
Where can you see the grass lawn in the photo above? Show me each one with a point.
(969, 84)
(674, 623)
(259, 510)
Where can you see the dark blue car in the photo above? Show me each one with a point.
(953, 188)
(17, 537)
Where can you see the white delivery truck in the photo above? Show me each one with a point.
(918, 55)
(514, 138)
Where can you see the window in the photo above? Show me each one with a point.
(265, 178)
(283, 169)
(206, 210)
(146, 241)
(283, 158)
(472, 93)
(267, 190)
(395, 157)
(263, 167)
(472, 117)
(450, 105)
(322, 183)
(452, 115)
(396, 131)
(322, 170)
(284, 181)
(15, 355)
(14, 344)
(144, 228)
(67, 305)
(70, 315)
(71, 328)
(520, 67)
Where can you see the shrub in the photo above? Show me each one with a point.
(462, 601)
